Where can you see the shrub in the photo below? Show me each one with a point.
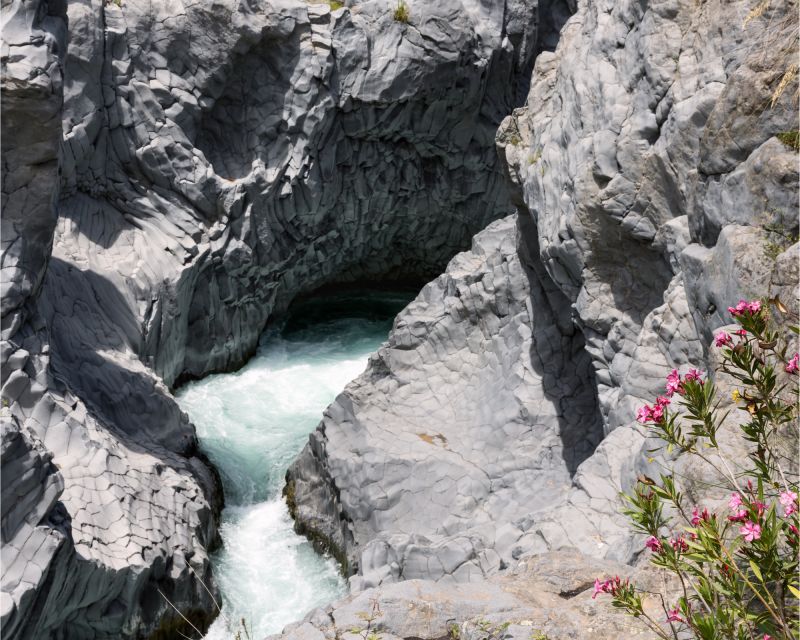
(737, 569)
(401, 12)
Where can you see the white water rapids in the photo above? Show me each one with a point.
(252, 424)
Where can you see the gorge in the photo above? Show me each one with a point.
(176, 175)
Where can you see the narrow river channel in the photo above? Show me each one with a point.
(252, 423)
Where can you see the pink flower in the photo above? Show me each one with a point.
(767, 636)
(607, 586)
(789, 501)
(722, 339)
(741, 332)
(694, 374)
(657, 413)
(679, 544)
(673, 382)
(751, 531)
(654, 544)
(740, 516)
(697, 517)
(794, 364)
(647, 413)
(739, 309)
(753, 307)
(674, 615)
(736, 501)
(760, 506)
(644, 414)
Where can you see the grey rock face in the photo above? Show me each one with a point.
(417, 448)
(652, 193)
(34, 39)
(208, 163)
(548, 594)
(639, 195)
(219, 163)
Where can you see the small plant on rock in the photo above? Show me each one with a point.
(737, 568)
(370, 617)
(401, 12)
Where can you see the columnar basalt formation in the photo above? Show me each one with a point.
(485, 356)
(656, 181)
(175, 174)
(194, 167)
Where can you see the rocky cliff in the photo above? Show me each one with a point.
(654, 167)
(174, 174)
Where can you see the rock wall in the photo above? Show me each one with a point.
(173, 175)
(267, 150)
(410, 473)
(653, 188)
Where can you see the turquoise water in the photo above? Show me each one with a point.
(252, 424)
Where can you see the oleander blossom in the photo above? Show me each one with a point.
(736, 501)
(655, 413)
(751, 531)
(742, 307)
(679, 544)
(674, 615)
(611, 585)
(788, 500)
(694, 374)
(723, 339)
(654, 544)
(740, 516)
(793, 366)
(698, 516)
(673, 382)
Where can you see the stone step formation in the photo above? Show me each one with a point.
(174, 175)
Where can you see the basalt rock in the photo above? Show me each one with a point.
(411, 473)
(654, 188)
(173, 176)
(546, 596)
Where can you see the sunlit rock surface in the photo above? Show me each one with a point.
(652, 192)
(173, 175)
(419, 448)
(544, 596)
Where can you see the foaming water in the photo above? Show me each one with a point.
(252, 424)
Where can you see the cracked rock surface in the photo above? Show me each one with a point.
(548, 595)
(174, 174)
(653, 191)
(417, 448)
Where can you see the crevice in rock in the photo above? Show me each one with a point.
(559, 355)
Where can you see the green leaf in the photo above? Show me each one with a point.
(794, 591)
(756, 571)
